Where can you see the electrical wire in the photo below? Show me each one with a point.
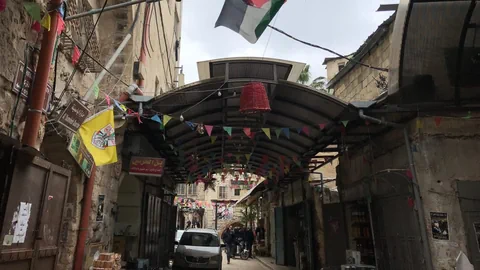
(326, 49)
(160, 47)
(75, 68)
(165, 40)
(22, 84)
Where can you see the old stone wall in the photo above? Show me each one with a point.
(444, 154)
(360, 83)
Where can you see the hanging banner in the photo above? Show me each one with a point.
(81, 155)
(74, 115)
(147, 166)
(439, 223)
(27, 84)
(225, 211)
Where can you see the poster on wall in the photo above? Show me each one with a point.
(439, 222)
(225, 212)
(476, 227)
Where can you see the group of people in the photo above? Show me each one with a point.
(231, 238)
(194, 224)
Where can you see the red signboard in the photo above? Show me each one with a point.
(147, 166)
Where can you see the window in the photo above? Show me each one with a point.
(341, 65)
(192, 189)
(237, 192)
(181, 189)
(222, 192)
(199, 239)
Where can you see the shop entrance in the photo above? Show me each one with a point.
(470, 207)
(294, 236)
(396, 228)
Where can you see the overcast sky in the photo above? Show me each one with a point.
(340, 25)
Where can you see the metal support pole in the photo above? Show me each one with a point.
(109, 8)
(107, 66)
(416, 187)
(216, 216)
(37, 96)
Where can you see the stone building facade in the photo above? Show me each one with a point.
(159, 69)
(358, 83)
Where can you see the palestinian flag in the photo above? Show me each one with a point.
(249, 18)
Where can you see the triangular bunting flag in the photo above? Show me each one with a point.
(267, 132)
(46, 21)
(438, 120)
(299, 130)
(252, 135)
(322, 126)
(60, 24)
(228, 130)
(208, 129)
(33, 9)
(286, 131)
(345, 123)
(36, 27)
(75, 55)
(306, 130)
(190, 124)
(419, 123)
(278, 131)
(107, 98)
(96, 91)
(166, 119)
(247, 131)
(248, 156)
(156, 119)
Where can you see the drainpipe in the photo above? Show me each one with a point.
(84, 220)
(416, 187)
(37, 97)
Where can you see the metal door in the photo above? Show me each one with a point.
(398, 244)
(279, 236)
(335, 234)
(152, 229)
(33, 214)
(470, 207)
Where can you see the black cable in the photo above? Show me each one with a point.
(165, 40)
(325, 49)
(96, 61)
(160, 46)
(22, 84)
(75, 68)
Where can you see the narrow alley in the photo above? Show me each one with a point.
(315, 135)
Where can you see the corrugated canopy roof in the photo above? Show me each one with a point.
(293, 106)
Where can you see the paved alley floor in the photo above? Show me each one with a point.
(239, 264)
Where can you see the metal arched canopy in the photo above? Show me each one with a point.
(294, 106)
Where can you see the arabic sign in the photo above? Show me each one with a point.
(27, 84)
(74, 115)
(147, 166)
(81, 155)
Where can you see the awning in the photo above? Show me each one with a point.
(316, 122)
(259, 187)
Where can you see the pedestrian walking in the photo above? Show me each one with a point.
(249, 238)
(228, 239)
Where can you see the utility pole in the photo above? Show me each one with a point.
(37, 96)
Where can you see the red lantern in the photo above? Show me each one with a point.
(254, 99)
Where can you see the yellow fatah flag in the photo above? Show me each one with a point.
(98, 136)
